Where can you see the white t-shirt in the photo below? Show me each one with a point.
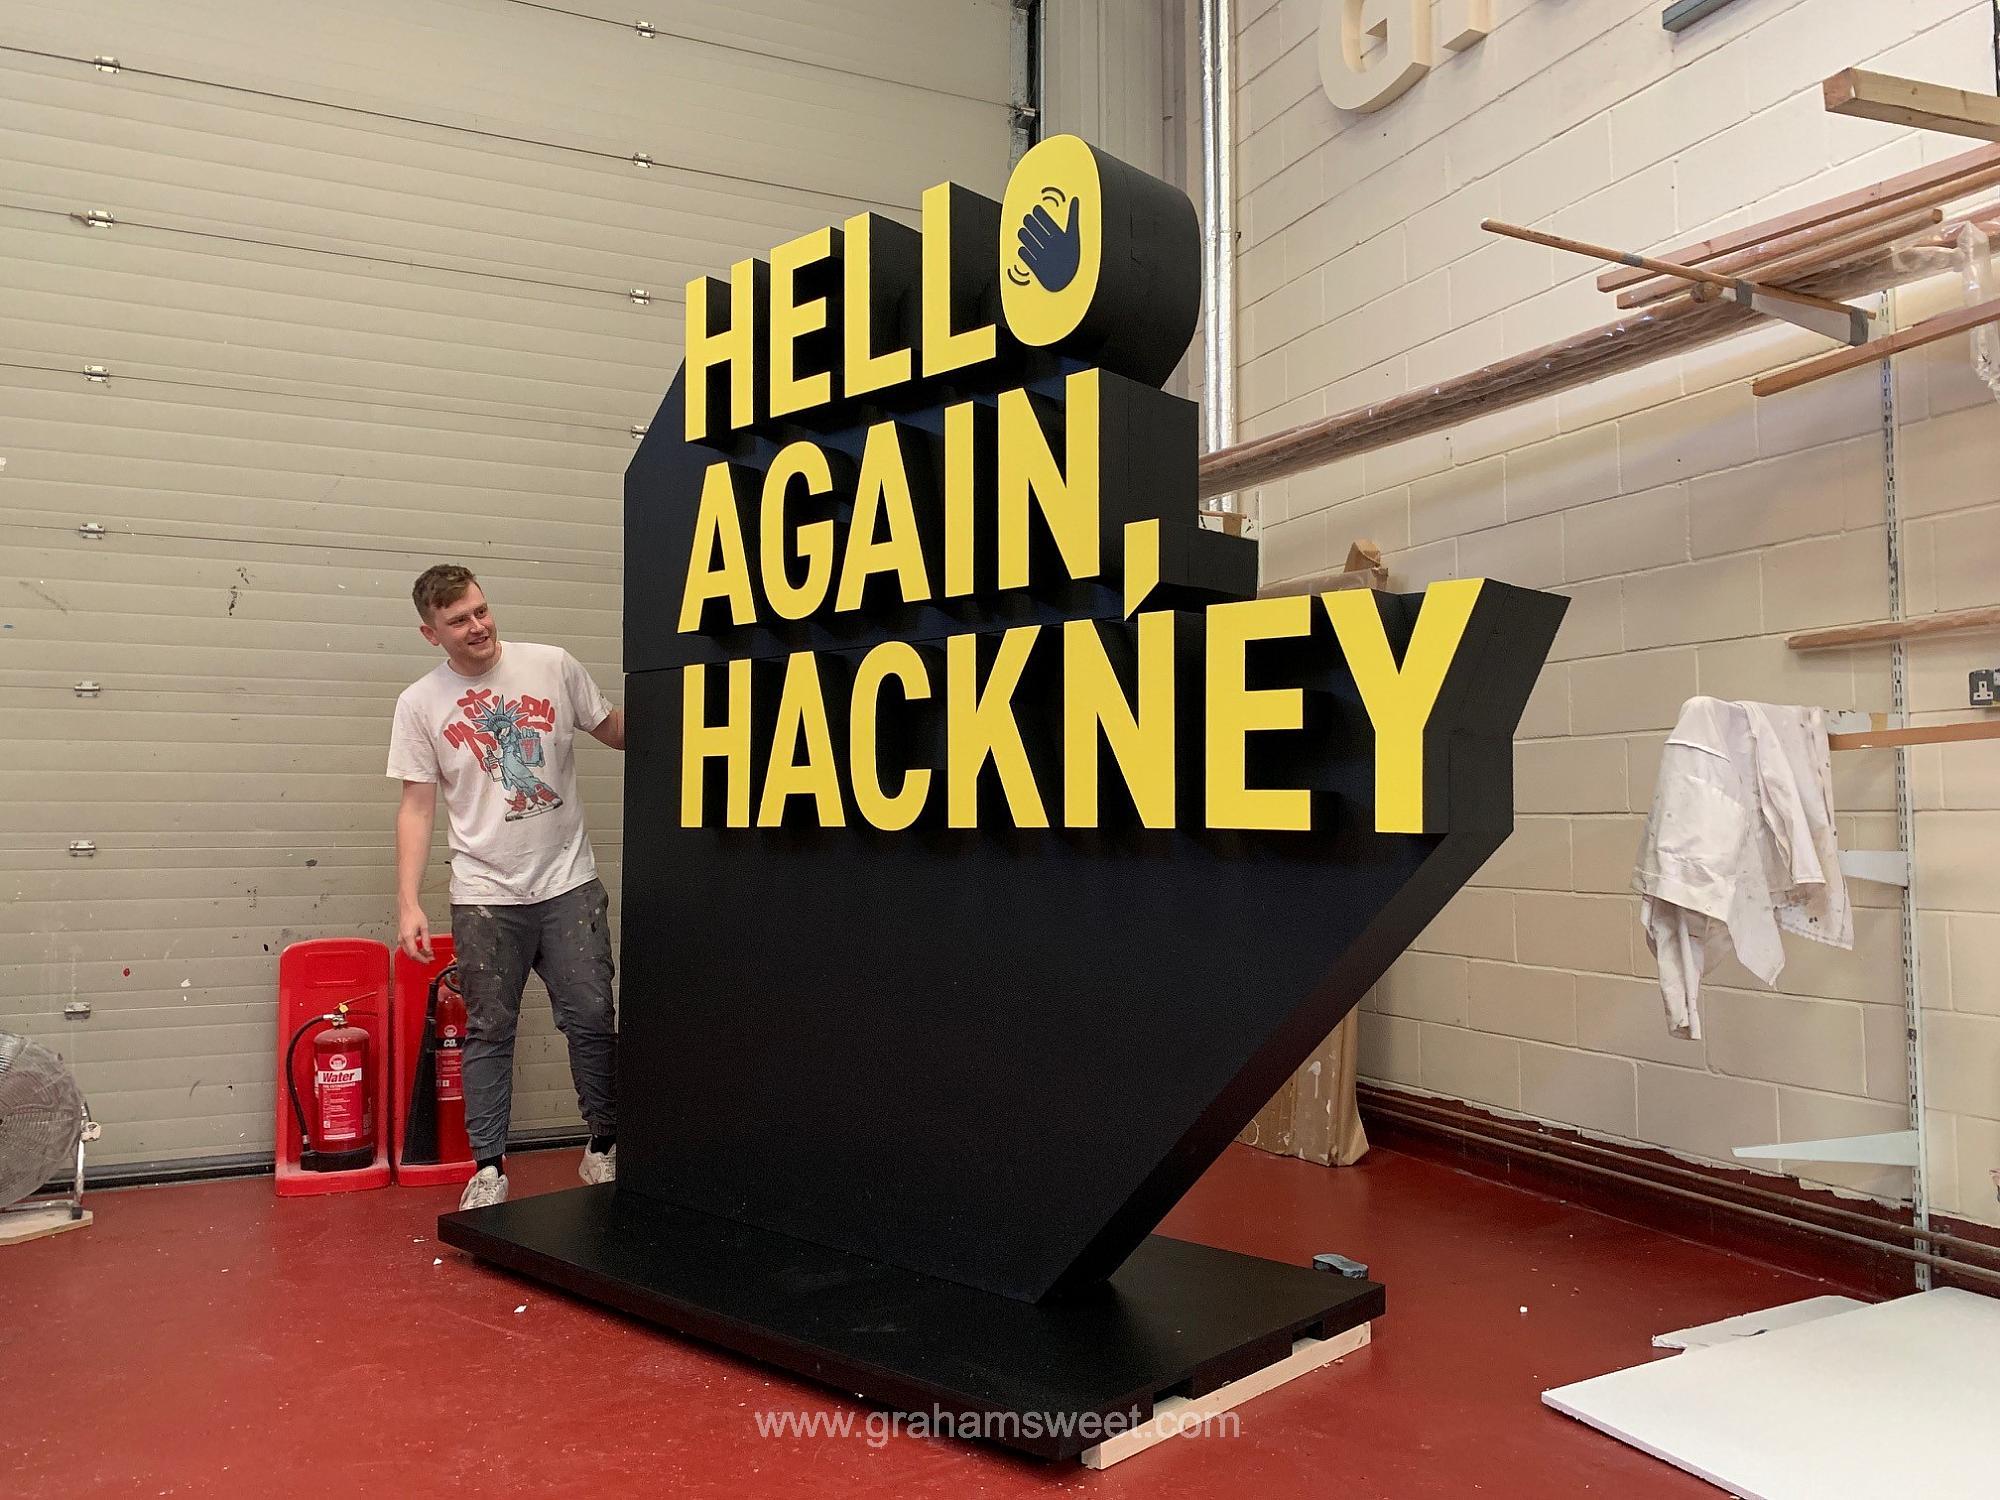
(502, 746)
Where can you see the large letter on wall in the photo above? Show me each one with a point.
(1360, 83)
(1466, 23)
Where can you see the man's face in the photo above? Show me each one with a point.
(464, 629)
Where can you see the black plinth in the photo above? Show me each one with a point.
(1176, 1319)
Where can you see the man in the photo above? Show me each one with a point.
(495, 727)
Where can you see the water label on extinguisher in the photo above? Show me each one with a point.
(342, 1101)
(450, 1070)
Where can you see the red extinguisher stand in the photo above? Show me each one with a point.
(317, 978)
(413, 982)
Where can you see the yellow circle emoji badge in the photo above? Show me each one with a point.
(1051, 241)
(1098, 261)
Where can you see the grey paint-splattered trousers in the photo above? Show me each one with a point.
(566, 940)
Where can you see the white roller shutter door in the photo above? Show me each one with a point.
(372, 285)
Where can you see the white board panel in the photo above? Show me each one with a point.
(1891, 1400)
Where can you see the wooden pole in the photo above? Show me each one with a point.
(1664, 267)
(1947, 622)
(1927, 332)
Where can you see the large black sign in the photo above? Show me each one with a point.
(992, 853)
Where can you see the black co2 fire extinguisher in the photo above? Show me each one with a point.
(436, 1130)
(340, 1134)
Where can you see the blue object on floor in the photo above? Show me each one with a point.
(1340, 1265)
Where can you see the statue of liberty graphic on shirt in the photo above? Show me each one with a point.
(506, 737)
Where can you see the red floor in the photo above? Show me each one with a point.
(213, 1340)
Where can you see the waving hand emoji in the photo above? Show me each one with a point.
(1050, 250)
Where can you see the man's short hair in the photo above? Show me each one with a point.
(442, 584)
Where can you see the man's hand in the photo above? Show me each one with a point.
(413, 934)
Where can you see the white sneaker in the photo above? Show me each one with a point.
(488, 1187)
(599, 1166)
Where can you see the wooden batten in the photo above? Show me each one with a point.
(1909, 101)
(1637, 339)
(20, 1225)
(1945, 622)
(1922, 734)
(1839, 248)
(1953, 172)
(1640, 339)
(1671, 269)
(1796, 254)
(1177, 1416)
(1929, 331)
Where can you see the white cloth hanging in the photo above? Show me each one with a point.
(1739, 845)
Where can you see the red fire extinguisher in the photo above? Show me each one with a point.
(340, 1136)
(448, 1034)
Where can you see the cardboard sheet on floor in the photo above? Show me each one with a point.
(1895, 1399)
(1751, 1324)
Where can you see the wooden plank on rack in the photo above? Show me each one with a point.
(1945, 622)
(1910, 101)
(1789, 255)
(1670, 328)
(1788, 267)
(1937, 174)
(1929, 331)
(1935, 734)
(1634, 339)
(1661, 267)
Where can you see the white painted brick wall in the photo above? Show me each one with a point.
(1691, 524)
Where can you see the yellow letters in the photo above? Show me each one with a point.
(990, 481)
(900, 660)
(1399, 701)
(702, 741)
(717, 565)
(801, 716)
(1235, 709)
(1142, 742)
(814, 540)
(883, 494)
(981, 724)
(734, 346)
(1068, 496)
(945, 350)
(866, 370)
(792, 320)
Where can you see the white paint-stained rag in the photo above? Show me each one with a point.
(1740, 845)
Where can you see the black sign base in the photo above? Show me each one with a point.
(1043, 1378)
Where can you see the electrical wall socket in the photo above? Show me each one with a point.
(1985, 690)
